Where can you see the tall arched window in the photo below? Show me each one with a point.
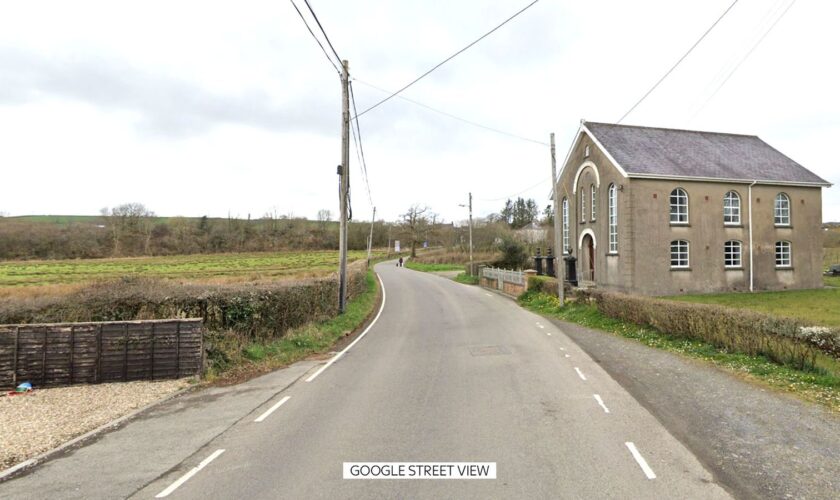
(582, 195)
(782, 210)
(679, 253)
(731, 208)
(612, 209)
(565, 225)
(679, 206)
(592, 202)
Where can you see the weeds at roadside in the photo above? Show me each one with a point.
(820, 385)
(466, 279)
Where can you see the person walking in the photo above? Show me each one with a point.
(400, 263)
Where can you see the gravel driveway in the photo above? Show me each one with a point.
(36, 422)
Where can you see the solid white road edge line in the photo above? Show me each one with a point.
(335, 358)
(580, 373)
(601, 402)
(271, 410)
(183, 479)
(640, 460)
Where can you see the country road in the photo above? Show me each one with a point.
(447, 373)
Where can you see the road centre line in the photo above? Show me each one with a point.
(640, 460)
(601, 402)
(271, 410)
(562, 348)
(580, 373)
(568, 356)
(539, 325)
(488, 294)
(335, 358)
(548, 333)
(183, 479)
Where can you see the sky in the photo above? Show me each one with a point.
(230, 108)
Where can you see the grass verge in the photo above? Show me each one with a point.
(815, 307)
(821, 385)
(429, 268)
(235, 360)
(466, 279)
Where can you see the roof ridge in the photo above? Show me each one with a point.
(671, 129)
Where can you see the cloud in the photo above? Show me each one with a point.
(164, 105)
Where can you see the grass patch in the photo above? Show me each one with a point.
(429, 268)
(814, 307)
(466, 279)
(831, 281)
(821, 385)
(233, 359)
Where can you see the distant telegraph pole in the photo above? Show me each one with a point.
(370, 238)
(559, 268)
(344, 186)
(471, 244)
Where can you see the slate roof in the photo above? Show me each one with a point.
(654, 152)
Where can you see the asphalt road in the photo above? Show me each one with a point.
(448, 373)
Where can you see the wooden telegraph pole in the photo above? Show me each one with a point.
(370, 238)
(344, 187)
(472, 269)
(559, 268)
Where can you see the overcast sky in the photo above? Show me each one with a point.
(220, 108)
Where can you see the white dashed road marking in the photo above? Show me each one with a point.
(183, 479)
(580, 373)
(640, 460)
(271, 410)
(601, 402)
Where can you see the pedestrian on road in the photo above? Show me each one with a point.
(400, 263)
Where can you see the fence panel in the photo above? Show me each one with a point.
(78, 353)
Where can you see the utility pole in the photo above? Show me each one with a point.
(559, 267)
(344, 186)
(370, 238)
(471, 245)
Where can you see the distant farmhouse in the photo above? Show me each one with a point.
(659, 211)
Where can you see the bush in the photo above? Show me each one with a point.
(546, 284)
(514, 255)
(255, 311)
(782, 340)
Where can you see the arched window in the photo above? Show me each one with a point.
(679, 253)
(783, 254)
(782, 210)
(731, 208)
(679, 206)
(612, 209)
(592, 202)
(732, 253)
(582, 195)
(565, 225)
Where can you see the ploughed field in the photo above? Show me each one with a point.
(203, 267)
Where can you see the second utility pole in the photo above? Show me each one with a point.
(559, 251)
(344, 187)
(370, 238)
(472, 270)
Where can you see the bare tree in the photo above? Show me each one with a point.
(415, 224)
(131, 227)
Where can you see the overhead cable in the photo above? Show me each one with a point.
(315, 37)
(482, 37)
(678, 62)
(322, 30)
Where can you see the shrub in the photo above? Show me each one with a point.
(546, 284)
(783, 340)
(514, 255)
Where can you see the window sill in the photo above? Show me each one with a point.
(784, 268)
(733, 268)
(610, 254)
(680, 269)
(680, 224)
(780, 226)
(735, 226)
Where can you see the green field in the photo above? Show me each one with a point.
(815, 307)
(242, 266)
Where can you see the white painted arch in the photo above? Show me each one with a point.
(587, 163)
(583, 233)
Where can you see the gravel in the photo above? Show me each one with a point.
(33, 423)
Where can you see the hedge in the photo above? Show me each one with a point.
(262, 310)
(783, 340)
(546, 284)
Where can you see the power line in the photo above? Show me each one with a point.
(454, 117)
(482, 37)
(678, 62)
(322, 30)
(746, 56)
(315, 37)
(518, 193)
(360, 146)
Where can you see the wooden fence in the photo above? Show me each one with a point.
(79, 353)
